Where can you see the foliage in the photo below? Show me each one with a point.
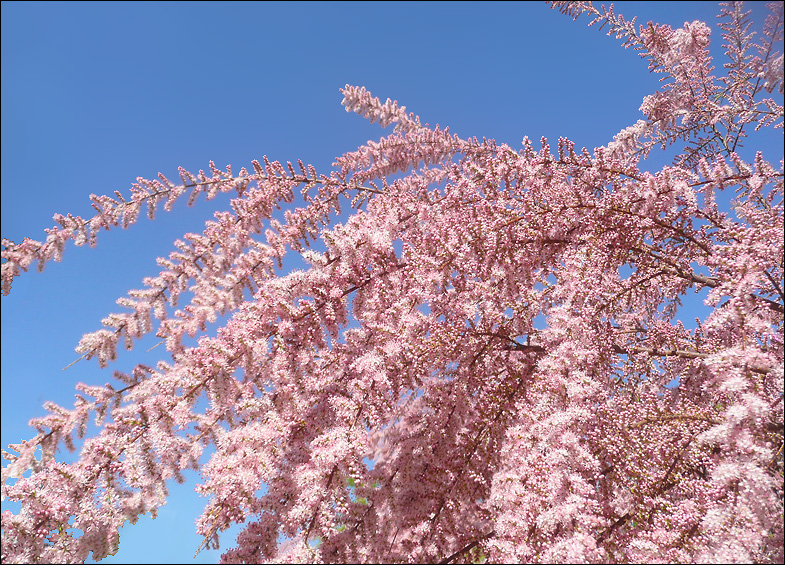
(495, 330)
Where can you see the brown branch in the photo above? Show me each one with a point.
(661, 487)
(672, 417)
(605, 534)
(711, 282)
(683, 353)
(469, 547)
(321, 499)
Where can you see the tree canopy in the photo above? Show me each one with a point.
(483, 362)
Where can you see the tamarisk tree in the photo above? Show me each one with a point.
(484, 361)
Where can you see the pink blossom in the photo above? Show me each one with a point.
(495, 332)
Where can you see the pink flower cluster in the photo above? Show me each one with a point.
(496, 333)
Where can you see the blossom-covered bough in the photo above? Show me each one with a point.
(495, 329)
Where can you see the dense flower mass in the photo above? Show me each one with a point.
(494, 329)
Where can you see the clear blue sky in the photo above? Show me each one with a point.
(96, 94)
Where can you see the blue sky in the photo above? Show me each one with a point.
(96, 94)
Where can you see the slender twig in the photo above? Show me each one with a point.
(683, 353)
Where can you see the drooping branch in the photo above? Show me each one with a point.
(711, 282)
(637, 350)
